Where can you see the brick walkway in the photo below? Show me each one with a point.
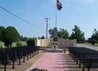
(51, 61)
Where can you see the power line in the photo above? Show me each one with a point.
(17, 16)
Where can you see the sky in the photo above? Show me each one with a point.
(83, 13)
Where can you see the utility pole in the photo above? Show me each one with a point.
(46, 27)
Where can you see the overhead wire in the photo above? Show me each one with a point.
(19, 17)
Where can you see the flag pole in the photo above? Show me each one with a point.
(56, 19)
(58, 6)
(56, 14)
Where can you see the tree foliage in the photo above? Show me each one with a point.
(24, 38)
(31, 41)
(53, 31)
(77, 34)
(1, 29)
(94, 37)
(62, 33)
(9, 35)
(42, 37)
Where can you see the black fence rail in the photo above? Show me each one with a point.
(85, 57)
(20, 54)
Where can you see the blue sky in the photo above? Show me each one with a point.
(83, 13)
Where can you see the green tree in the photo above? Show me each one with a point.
(53, 31)
(94, 37)
(77, 34)
(24, 38)
(42, 37)
(9, 35)
(31, 42)
(63, 33)
(1, 29)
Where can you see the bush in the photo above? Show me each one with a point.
(93, 41)
(21, 43)
(1, 44)
(31, 42)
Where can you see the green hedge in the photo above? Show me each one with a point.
(1, 44)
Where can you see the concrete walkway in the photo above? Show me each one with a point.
(87, 46)
(51, 61)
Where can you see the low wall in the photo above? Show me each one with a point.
(66, 43)
(61, 42)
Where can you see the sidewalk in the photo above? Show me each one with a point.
(51, 61)
(87, 46)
